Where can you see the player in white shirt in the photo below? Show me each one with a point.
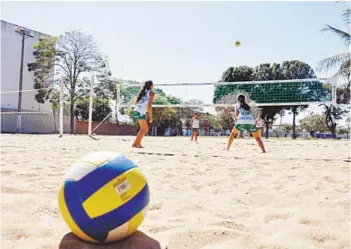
(244, 122)
(195, 126)
(143, 106)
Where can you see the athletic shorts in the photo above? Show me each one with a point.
(195, 129)
(138, 115)
(246, 127)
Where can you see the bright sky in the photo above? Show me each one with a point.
(171, 42)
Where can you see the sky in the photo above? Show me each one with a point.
(170, 42)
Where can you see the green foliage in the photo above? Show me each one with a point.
(232, 74)
(73, 54)
(277, 92)
(314, 122)
(343, 60)
(42, 68)
(334, 113)
(268, 115)
(101, 109)
(343, 130)
(270, 93)
(287, 127)
(212, 120)
(160, 114)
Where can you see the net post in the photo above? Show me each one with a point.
(334, 81)
(61, 107)
(91, 104)
(118, 92)
(19, 122)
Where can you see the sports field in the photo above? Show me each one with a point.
(294, 196)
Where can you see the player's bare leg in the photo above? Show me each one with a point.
(231, 138)
(259, 141)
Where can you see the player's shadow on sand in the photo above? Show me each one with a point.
(138, 240)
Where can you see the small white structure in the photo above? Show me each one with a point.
(11, 46)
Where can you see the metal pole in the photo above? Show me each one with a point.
(19, 104)
(117, 104)
(23, 33)
(61, 107)
(91, 104)
(118, 89)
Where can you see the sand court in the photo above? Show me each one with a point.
(294, 196)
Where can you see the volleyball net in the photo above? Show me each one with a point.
(39, 112)
(220, 94)
(176, 103)
(173, 105)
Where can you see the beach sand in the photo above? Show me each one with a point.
(294, 196)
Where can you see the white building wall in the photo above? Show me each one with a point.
(11, 45)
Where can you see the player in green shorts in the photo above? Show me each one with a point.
(143, 105)
(245, 122)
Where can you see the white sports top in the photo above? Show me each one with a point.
(196, 123)
(259, 123)
(245, 116)
(142, 105)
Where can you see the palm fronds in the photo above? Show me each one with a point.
(346, 17)
(344, 70)
(345, 36)
(333, 61)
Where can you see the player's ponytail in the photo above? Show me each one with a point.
(243, 104)
(147, 86)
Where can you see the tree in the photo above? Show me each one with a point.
(161, 115)
(295, 110)
(43, 71)
(333, 113)
(272, 93)
(101, 108)
(269, 115)
(342, 60)
(72, 54)
(296, 69)
(288, 92)
(232, 74)
(314, 122)
(286, 127)
(299, 70)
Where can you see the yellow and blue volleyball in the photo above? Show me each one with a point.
(104, 197)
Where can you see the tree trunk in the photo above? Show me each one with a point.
(330, 124)
(267, 130)
(181, 128)
(72, 118)
(312, 133)
(294, 123)
(333, 131)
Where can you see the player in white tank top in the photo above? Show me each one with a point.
(245, 121)
(143, 105)
(195, 126)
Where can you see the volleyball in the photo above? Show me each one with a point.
(104, 197)
(237, 43)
